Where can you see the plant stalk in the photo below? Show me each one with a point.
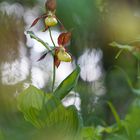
(33, 36)
(118, 54)
(54, 70)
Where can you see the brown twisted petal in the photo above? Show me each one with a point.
(56, 61)
(50, 5)
(37, 19)
(46, 28)
(64, 38)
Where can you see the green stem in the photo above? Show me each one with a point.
(54, 70)
(118, 54)
(51, 37)
(32, 35)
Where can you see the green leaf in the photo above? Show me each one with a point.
(136, 91)
(120, 46)
(109, 129)
(95, 133)
(117, 118)
(132, 121)
(31, 97)
(55, 114)
(68, 84)
(117, 137)
(90, 133)
(133, 49)
(30, 103)
(1, 135)
(46, 110)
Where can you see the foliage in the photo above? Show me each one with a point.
(131, 48)
(46, 111)
(1, 135)
(67, 85)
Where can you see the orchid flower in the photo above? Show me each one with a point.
(60, 52)
(49, 17)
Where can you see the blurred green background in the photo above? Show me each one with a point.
(95, 24)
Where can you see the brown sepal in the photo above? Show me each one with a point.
(37, 19)
(56, 61)
(46, 28)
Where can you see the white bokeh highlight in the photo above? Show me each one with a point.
(90, 66)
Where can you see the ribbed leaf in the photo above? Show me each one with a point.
(67, 119)
(31, 97)
(46, 110)
(54, 114)
(30, 103)
(68, 84)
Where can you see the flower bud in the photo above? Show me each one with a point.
(50, 5)
(50, 21)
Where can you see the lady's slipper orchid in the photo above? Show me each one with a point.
(60, 52)
(49, 17)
